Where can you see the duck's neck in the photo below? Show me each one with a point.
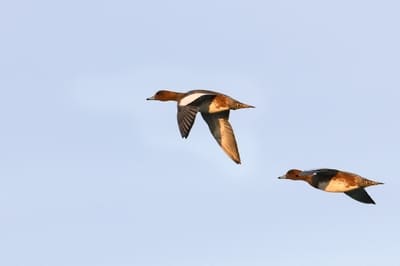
(306, 178)
(172, 96)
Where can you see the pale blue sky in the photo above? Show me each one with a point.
(93, 174)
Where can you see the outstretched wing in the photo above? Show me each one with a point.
(222, 131)
(361, 195)
(186, 116)
(188, 107)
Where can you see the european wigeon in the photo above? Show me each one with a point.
(332, 180)
(214, 108)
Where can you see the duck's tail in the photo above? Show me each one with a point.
(239, 105)
(367, 183)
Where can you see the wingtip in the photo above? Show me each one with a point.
(235, 157)
(371, 202)
(184, 136)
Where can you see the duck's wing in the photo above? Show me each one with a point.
(320, 178)
(322, 173)
(361, 195)
(222, 131)
(186, 116)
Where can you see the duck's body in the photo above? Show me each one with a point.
(332, 180)
(214, 108)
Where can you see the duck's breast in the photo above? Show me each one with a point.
(338, 184)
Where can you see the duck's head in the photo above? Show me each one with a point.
(164, 95)
(293, 174)
(160, 95)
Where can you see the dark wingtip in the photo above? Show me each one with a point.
(184, 136)
(236, 160)
(371, 202)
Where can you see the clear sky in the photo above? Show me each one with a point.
(93, 174)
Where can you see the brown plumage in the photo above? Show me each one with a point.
(214, 108)
(332, 180)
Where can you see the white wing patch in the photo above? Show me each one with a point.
(191, 98)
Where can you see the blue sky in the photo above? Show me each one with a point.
(93, 174)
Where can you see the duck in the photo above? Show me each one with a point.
(214, 108)
(333, 180)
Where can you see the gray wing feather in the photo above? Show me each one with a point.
(186, 116)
